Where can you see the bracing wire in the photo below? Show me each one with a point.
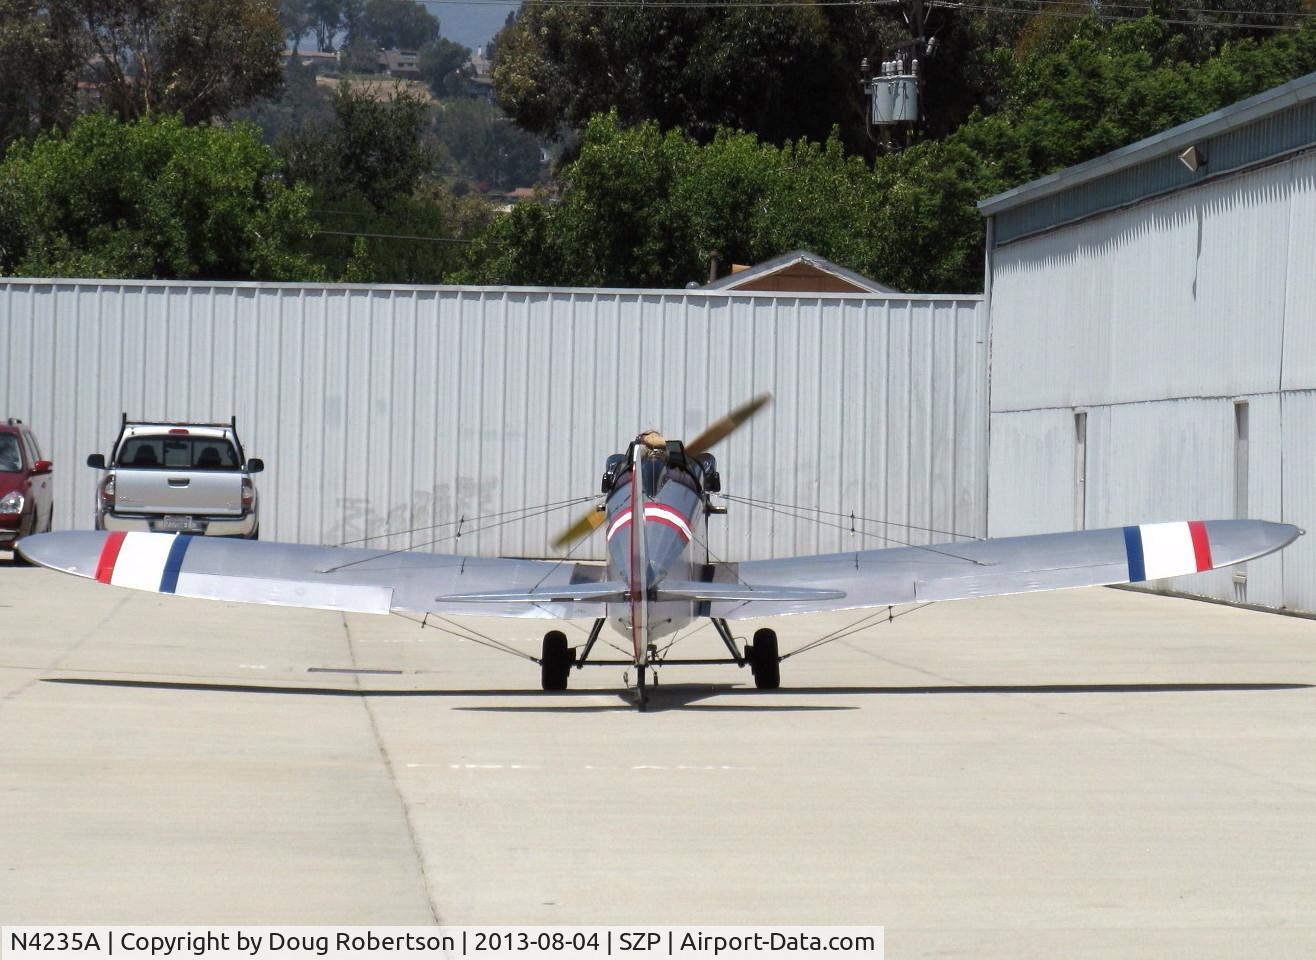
(466, 633)
(465, 519)
(785, 511)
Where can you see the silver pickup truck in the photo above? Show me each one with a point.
(178, 478)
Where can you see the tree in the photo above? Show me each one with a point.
(481, 144)
(377, 148)
(300, 104)
(443, 65)
(643, 207)
(418, 238)
(326, 19)
(198, 58)
(40, 53)
(152, 199)
(297, 20)
(398, 26)
(770, 70)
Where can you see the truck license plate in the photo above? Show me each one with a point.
(177, 525)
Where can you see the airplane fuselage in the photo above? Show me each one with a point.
(654, 514)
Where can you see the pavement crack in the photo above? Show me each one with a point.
(393, 779)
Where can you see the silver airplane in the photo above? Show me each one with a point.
(658, 576)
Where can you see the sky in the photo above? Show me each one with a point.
(472, 23)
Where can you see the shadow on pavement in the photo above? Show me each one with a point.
(681, 696)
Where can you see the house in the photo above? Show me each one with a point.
(800, 271)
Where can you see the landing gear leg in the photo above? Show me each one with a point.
(641, 694)
(763, 660)
(555, 661)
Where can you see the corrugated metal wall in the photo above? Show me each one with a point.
(380, 410)
(1156, 321)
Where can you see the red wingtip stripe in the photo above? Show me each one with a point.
(1201, 544)
(109, 554)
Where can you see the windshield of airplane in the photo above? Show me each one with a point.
(656, 471)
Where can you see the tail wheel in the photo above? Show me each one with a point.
(556, 661)
(763, 660)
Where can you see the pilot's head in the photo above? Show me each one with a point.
(654, 442)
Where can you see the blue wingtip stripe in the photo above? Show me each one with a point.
(174, 563)
(1133, 548)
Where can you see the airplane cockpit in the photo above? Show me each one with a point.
(665, 461)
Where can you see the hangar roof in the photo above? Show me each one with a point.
(1278, 121)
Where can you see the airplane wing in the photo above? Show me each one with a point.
(988, 568)
(330, 578)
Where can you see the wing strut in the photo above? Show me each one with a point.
(589, 644)
(724, 632)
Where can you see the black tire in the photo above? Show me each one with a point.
(556, 660)
(763, 661)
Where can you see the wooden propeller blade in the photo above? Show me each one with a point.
(585, 525)
(719, 430)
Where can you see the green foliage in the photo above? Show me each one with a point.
(150, 199)
(408, 242)
(375, 149)
(770, 70)
(645, 208)
(369, 169)
(39, 55)
(442, 65)
(391, 25)
(197, 58)
(480, 144)
(300, 104)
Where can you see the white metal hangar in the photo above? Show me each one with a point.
(459, 419)
(1153, 317)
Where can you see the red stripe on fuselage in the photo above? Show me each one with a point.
(109, 554)
(1201, 544)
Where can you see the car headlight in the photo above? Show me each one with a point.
(11, 503)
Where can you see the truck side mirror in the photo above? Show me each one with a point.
(42, 467)
(96, 461)
(255, 465)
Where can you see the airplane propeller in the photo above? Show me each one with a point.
(715, 433)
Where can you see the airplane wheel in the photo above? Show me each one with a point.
(762, 657)
(556, 661)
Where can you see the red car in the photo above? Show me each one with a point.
(26, 490)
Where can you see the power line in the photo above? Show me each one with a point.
(943, 4)
(387, 236)
(1146, 9)
(1075, 15)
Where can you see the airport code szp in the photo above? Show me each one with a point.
(387, 943)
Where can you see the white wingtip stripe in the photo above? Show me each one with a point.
(1167, 550)
(141, 560)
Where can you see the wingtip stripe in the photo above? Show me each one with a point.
(174, 563)
(1133, 551)
(109, 555)
(1201, 544)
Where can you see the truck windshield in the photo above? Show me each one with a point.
(178, 453)
(11, 461)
